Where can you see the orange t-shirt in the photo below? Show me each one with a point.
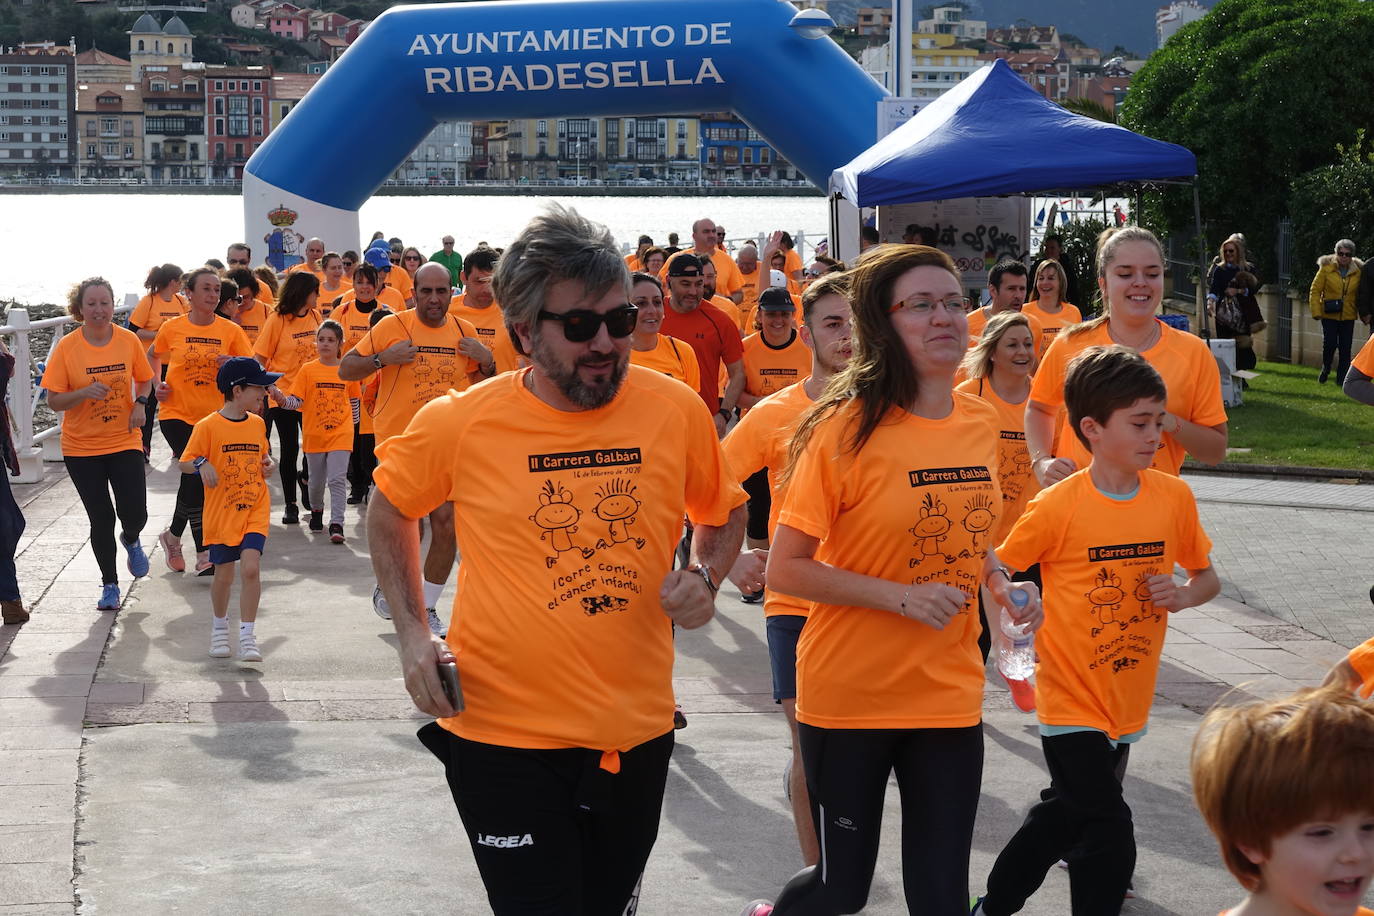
(632, 262)
(1100, 645)
(728, 278)
(490, 323)
(916, 504)
(792, 264)
(1361, 911)
(760, 440)
(385, 296)
(305, 266)
(240, 503)
(355, 323)
(368, 406)
(1014, 475)
(978, 319)
(98, 427)
(1364, 360)
(400, 281)
(327, 411)
(1051, 325)
(286, 343)
(437, 367)
(728, 307)
(749, 286)
(1184, 362)
(192, 354)
(568, 522)
(712, 336)
(1361, 658)
(673, 358)
(251, 319)
(769, 369)
(152, 310)
(327, 297)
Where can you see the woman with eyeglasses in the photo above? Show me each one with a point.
(653, 259)
(286, 343)
(1231, 286)
(99, 379)
(651, 349)
(350, 263)
(252, 314)
(1130, 275)
(1332, 301)
(886, 527)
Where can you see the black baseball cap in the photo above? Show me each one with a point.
(776, 299)
(243, 370)
(684, 265)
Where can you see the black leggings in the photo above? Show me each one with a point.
(190, 492)
(94, 477)
(553, 833)
(288, 426)
(1082, 817)
(760, 503)
(362, 462)
(1337, 337)
(939, 773)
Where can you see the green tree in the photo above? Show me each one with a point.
(1260, 91)
(1089, 108)
(1333, 202)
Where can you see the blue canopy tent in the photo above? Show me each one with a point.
(992, 135)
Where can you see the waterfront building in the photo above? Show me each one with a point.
(174, 122)
(236, 115)
(109, 117)
(37, 104)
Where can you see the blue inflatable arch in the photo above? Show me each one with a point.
(417, 65)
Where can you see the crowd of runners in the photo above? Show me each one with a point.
(909, 469)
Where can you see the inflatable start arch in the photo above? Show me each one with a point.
(417, 65)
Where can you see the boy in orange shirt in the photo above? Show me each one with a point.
(1107, 539)
(1296, 843)
(229, 450)
(327, 405)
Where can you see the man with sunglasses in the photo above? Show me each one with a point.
(450, 259)
(569, 480)
(238, 255)
(713, 337)
(419, 354)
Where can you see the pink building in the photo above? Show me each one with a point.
(293, 26)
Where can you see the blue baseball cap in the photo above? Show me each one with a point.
(243, 370)
(379, 258)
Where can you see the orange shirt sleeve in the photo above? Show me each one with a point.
(1206, 408)
(268, 338)
(1047, 386)
(415, 468)
(1361, 658)
(815, 491)
(1035, 534)
(139, 317)
(745, 448)
(711, 491)
(198, 446)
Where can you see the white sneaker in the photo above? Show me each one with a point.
(248, 648)
(379, 603)
(219, 642)
(436, 626)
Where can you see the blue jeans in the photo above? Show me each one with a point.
(1337, 335)
(11, 529)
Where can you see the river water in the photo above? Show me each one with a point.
(50, 241)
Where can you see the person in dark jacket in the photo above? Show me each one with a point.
(11, 519)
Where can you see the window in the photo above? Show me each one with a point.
(682, 149)
(90, 150)
(238, 125)
(159, 86)
(190, 85)
(219, 150)
(238, 150)
(109, 125)
(219, 105)
(257, 86)
(257, 106)
(195, 151)
(764, 155)
(90, 127)
(128, 151)
(219, 85)
(26, 71)
(748, 155)
(140, 45)
(128, 127)
(541, 129)
(219, 126)
(238, 104)
(257, 126)
(109, 149)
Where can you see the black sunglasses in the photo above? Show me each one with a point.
(581, 325)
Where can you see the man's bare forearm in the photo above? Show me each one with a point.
(395, 544)
(718, 546)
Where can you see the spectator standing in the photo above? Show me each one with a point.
(1331, 300)
(12, 611)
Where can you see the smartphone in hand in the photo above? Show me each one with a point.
(448, 677)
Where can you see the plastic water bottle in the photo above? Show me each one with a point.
(1016, 651)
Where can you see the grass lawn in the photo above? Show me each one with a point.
(1289, 419)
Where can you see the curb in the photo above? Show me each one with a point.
(1280, 472)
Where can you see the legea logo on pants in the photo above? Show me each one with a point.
(504, 842)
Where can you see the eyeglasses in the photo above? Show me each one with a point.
(1345, 254)
(921, 306)
(234, 299)
(813, 274)
(581, 325)
(395, 260)
(412, 257)
(349, 263)
(243, 261)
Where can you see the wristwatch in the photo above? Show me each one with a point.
(727, 413)
(377, 360)
(141, 399)
(705, 573)
(198, 462)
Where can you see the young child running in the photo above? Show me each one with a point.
(1286, 787)
(1107, 539)
(228, 449)
(327, 409)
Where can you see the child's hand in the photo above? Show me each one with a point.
(267, 466)
(1164, 593)
(1033, 613)
(1052, 470)
(208, 475)
(163, 391)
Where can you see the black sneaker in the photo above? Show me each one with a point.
(291, 516)
(336, 534)
(751, 597)
(317, 520)
(354, 498)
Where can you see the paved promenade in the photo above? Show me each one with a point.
(137, 775)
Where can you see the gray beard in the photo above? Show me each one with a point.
(571, 385)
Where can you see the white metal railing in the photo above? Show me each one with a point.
(25, 394)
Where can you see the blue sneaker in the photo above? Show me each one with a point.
(109, 598)
(138, 560)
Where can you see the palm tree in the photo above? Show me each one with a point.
(1090, 108)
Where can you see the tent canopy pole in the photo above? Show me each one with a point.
(1203, 330)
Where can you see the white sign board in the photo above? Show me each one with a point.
(894, 112)
(975, 231)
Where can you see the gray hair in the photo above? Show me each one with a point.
(1346, 243)
(558, 244)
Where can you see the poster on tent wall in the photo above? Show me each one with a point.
(975, 231)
